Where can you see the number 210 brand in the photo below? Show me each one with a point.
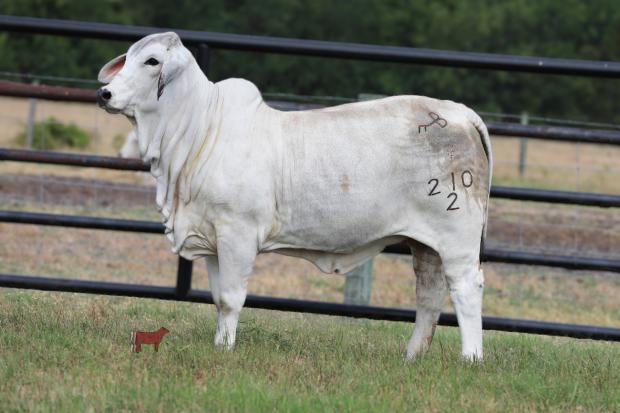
(467, 180)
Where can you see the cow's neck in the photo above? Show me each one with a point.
(174, 136)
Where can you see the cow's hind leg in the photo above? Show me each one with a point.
(466, 284)
(430, 295)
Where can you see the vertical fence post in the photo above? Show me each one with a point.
(184, 277)
(358, 284)
(203, 57)
(32, 110)
(525, 119)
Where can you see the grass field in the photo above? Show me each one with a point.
(67, 352)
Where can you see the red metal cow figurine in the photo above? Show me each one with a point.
(146, 337)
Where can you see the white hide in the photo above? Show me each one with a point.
(334, 186)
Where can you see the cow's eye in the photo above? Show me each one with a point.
(152, 62)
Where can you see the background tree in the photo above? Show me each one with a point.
(568, 29)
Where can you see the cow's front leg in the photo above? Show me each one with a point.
(228, 276)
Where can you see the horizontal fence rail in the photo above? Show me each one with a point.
(556, 133)
(109, 162)
(68, 94)
(319, 48)
(491, 255)
(556, 197)
(73, 159)
(304, 306)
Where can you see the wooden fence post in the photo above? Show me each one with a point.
(525, 119)
(358, 284)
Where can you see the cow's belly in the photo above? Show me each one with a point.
(342, 262)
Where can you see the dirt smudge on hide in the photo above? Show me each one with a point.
(344, 183)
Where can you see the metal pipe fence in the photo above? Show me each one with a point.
(203, 41)
(304, 306)
(150, 227)
(318, 48)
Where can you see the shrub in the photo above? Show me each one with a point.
(53, 134)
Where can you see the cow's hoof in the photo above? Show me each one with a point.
(474, 358)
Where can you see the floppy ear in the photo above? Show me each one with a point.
(169, 71)
(110, 69)
(176, 60)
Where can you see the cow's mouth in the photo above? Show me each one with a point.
(110, 109)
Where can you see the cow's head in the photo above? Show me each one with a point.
(136, 80)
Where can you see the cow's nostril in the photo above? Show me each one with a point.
(103, 95)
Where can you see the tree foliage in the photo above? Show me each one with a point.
(569, 29)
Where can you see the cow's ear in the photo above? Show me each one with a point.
(110, 69)
(174, 64)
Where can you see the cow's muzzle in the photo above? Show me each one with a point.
(103, 96)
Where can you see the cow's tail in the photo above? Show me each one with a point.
(486, 144)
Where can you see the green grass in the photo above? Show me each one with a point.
(68, 352)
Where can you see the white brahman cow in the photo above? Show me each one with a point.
(334, 186)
